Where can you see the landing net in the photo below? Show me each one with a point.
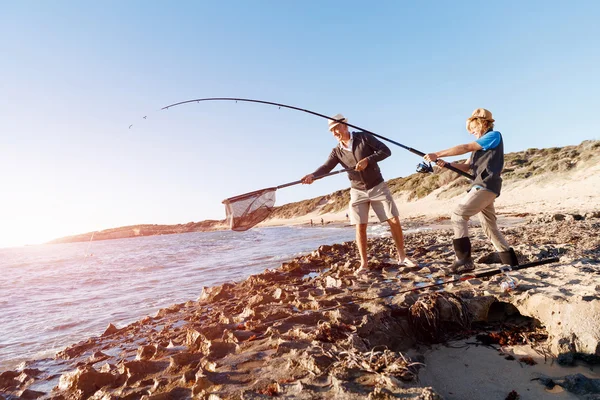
(246, 210)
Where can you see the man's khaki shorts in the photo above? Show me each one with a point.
(378, 197)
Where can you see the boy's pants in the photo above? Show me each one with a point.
(479, 201)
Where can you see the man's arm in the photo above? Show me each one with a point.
(381, 151)
(329, 165)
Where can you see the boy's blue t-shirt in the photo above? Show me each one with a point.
(490, 140)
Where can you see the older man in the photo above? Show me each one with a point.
(362, 151)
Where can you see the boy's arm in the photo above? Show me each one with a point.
(464, 167)
(453, 151)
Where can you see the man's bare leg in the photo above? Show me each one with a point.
(361, 243)
(398, 236)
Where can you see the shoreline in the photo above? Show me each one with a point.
(286, 331)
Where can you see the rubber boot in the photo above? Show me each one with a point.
(464, 262)
(508, 257)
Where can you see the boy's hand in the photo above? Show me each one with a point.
(430, 157)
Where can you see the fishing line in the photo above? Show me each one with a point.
(281, 105)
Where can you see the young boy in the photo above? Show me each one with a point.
(486, 163)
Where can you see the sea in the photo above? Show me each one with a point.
(52, 296)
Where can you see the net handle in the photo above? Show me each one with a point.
(250, 194)
(315, 178)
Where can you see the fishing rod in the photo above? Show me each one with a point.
(484, 274)
(236, 99)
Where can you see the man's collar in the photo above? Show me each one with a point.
(349, 142)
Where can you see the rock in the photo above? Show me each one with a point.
(278, 294)
(85, 380)
(479, 307)
(194, 339)
(590, 215)
(145, 352)
(216, 293)
(566, 358)
(30, 394)
(183, 358)
(247, 313)
(97, 357)
(110, 330)
(202, 382)
(216, 350)
(106, 367)
(137, 370)
(570, 321)
(214, 331)
(8, 380)
(315, 363)
(331, 282)
(76, 350)
(580, 385)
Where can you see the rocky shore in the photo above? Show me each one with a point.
(311, 329)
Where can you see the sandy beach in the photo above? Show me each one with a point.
(312, 329)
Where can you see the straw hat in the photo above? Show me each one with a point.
(481, 113)
(336, 120)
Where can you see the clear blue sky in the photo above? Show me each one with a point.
(75, 75)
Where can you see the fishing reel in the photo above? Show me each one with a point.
(424, 168)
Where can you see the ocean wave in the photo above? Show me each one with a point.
(62, 327)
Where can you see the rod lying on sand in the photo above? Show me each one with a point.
(246, 210)
(417, 152)
(484, 274)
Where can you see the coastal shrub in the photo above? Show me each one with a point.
(337, 201)
(518, 165)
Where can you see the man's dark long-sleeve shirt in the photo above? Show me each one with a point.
(364, 145)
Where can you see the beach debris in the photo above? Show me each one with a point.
(513, 395)
(578, 384)
(434, 316)
(527, 360)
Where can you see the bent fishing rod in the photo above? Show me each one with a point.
(236, 99)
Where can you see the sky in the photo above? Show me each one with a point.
(76, 74)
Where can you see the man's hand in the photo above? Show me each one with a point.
(430, 157)
(362, 164)
(308, 179)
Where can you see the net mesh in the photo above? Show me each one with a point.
(247, 210)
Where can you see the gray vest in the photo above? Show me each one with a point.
(488, 165)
